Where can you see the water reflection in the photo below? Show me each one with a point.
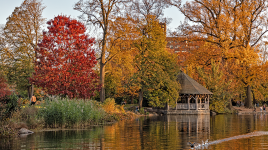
(153, 133)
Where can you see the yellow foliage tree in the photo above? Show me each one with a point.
(232, 26)
(19, 40)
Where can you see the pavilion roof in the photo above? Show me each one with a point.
(190, 86)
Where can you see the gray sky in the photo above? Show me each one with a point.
(65, 7)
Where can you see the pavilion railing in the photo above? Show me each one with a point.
(184, 106)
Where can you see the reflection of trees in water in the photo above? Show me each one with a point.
(174, 131)
(159, 132)
(224, 126)
(70, 138)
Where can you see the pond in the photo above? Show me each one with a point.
(154, 133)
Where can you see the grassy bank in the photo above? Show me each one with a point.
(62, 113)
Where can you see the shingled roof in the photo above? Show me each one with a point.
(190, 86)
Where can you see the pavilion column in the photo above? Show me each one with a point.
(167, 106)
(200, 103)
(176, 105)
(208, 102)
(188, 101)
(196, 102)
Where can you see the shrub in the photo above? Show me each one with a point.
(58, 112)
(26, 117)
(6, 132)
(9, 105)
(218, 106)
(109, 105)
(142, 111)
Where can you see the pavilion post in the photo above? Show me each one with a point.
(167, 106)
(176, 105)
(208, 102)
(188, 102)
(200, 103)
(196, 102)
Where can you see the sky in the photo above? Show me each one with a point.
(65, 7)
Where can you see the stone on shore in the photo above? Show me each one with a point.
(25, 131)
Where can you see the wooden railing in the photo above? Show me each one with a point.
(203, 106)
(184, 106)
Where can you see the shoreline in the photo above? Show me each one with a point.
(245, 111)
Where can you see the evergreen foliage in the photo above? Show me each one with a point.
(156, 67)
(218, 85)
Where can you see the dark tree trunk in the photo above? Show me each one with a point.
(132, 99)
(102, 77)
(140, 98)
(254, 99)
(30, 91)
(248, 100)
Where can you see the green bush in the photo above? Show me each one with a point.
(142, 111)
(10, 104)
(58, 112)
(27, 116)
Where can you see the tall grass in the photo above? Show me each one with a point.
(110, 106)
(59, 112)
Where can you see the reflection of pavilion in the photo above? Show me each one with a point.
(191, 123)
(194, 98)
(191, 127)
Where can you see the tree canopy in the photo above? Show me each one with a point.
(18, 42)
(156, 67)
(66, 60)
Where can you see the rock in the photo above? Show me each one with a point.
(212, 113)
(25, 131)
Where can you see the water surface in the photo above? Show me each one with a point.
(153, 133)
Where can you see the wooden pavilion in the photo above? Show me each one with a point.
(194, 98)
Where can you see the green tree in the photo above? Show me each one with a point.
(20, 37)
(156, 67)
(220, 87)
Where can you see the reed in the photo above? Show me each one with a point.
(59, 112)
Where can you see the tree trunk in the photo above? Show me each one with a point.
(30, 91)
(103, 63)
(132, 99)
(102, 77)
(140, 98)
(254, 99)
(248, 100)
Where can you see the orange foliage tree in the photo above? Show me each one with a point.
(235, 27)
(121, 67)
(65, 60)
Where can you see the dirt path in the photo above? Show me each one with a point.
(243, 110)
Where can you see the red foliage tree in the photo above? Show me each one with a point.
(65, 60)
(3, 88)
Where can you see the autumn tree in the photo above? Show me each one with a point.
(222, 88)
(65, 60)
(121, 68)
(100, 13)
(230, 25)
(20, 37)
(145, 8)
(156, 67)
(4, 91)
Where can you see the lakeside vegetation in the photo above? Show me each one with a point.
(59, 112)
(130, 62)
